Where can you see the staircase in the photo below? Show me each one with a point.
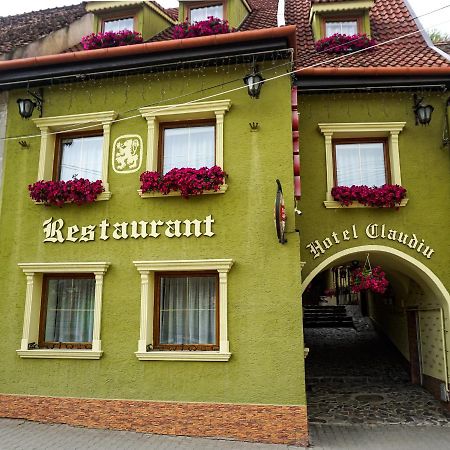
(326, 317)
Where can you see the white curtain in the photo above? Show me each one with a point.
(70, 310)
(360, 164)
(349, 28)
(198, 14)
(119, 25)
(189, 147)
(188, 310)
(81, 157)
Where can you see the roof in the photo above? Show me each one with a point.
(23, 29)
(445, 46)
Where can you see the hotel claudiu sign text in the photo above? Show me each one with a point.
(56, 231)
(373, 231)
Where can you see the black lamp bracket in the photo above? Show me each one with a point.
(38, 97)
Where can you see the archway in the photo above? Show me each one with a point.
(408, 325)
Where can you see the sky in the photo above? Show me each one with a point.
(439, 20)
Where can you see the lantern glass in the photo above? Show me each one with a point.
(254, 82)
(26, 107)
(424, 114)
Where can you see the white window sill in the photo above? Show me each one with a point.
(222, 190)
(102, 197)
(59, 354)
(182, 356)
(336, 205)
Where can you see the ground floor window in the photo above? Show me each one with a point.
(186, 311)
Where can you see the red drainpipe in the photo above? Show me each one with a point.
(295, 144)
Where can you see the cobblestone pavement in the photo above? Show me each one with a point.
(357, 378)
(23, 435)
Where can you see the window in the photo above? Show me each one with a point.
(196, 14)
(185, 136)
(348, 27)
(118, 24)
(67, 311)
(84, 154)
(184, 310)
(78, 157)
(62, 316)
(361, 162)
(361, 154)
(192, 145)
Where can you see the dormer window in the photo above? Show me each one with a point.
(200, 11)
(341, 26)
(118, 24)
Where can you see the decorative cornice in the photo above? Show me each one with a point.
(174, 265)
(391, 127)
(182, 356)
(73, 119)
(215, 107)
(59, 354)
(60, 267)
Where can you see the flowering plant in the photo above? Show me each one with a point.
(187, 181)
(343, 43)
(388, 195)
(369, 279)
(110, 39)
(208, 27)
(329, 292)
(56, 193)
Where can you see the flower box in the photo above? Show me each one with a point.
(187, 181)
(110, 39)
(56, 193)
(343, 43)
(369, 279)
(208, 27)
(386, 196)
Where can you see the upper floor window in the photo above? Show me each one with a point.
(78, 156)
(361, 162)
(198, 13)
(118, 24)
(346, 26)
(189, 145)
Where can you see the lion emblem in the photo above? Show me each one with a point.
(127, 154)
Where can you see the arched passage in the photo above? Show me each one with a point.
(418, 317)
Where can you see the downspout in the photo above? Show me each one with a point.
(295, 144)
(281, 20)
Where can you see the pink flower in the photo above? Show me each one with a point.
(388, 195)
(188, 181)
(373, 280)
(56, 193)
(110, 39)
(208, 27)
(342, 43)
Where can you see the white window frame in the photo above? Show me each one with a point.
(50, 126)
(183, 113)
(331, 131)
(147, 271)
(31, 321)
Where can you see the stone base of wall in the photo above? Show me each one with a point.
(433, 385)
(246, 422)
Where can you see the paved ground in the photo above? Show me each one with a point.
(22, 435)
(356, 378)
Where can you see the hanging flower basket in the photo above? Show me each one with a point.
(56, 193)
(368, 279)
(187, 181)
(343, 43)
(110, 39)
(386, 196)
(208, 27)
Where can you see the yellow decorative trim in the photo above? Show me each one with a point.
(320, 8)
(182, 356)
(222, 190)
(368, 129)
(50, 125)
(59, 354)
(336, 205)
(30, 332)
(199, 110)
(147, 270)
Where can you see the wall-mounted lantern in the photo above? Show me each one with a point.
(254, 82)
(27, 105)
(423, 112)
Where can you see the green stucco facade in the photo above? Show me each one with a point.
(264, 308)
(425, 166)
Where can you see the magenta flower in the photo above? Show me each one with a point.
(342, 43)
(187, 181)
(208, 27)
(110, 39)
(56, 193)
(386, 196)
(369, 279)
